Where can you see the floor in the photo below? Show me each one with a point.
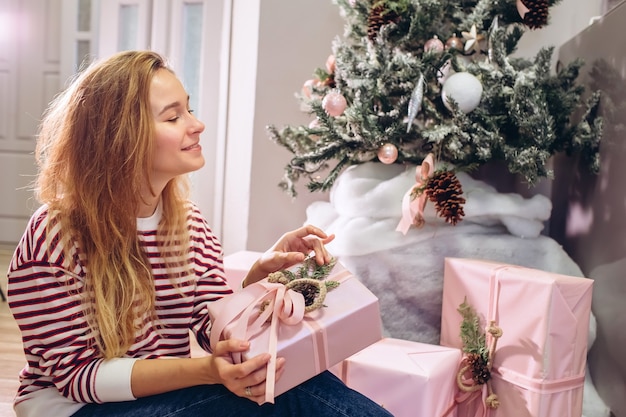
(11, 354)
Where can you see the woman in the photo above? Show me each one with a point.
(117, 265)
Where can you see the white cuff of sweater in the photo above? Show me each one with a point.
(113, 380)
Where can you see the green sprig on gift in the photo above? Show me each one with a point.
(474, 346)
(309, 280)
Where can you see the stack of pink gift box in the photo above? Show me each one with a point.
(536, 368)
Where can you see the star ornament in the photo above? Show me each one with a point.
(472, 39)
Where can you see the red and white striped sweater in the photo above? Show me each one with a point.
(64, 370)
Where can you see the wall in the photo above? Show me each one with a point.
(293, 46)
(267, 68)
(589, 215)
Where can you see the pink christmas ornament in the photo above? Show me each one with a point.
(315, 123)
(307, 87)
(434, 45)
(334, 103)
(388, 153)
(330, 64)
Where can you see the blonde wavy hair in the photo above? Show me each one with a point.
(94, 152)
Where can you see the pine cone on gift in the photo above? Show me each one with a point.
(308, 291)
(378, 17)
(445, 190)
(537, 15)
(478, 367)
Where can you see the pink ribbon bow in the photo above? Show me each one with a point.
(240, 318)
(413, 208)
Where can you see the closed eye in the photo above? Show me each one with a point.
(175, 118)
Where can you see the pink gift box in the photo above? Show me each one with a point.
(407, 378)
(348, 322)
(539, 363)
(237, 265)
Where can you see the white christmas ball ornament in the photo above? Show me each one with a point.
(334, 103)
(464, 88)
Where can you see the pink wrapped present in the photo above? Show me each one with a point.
(237, 265)
(539, 363)
(311, 342)
(407, 378)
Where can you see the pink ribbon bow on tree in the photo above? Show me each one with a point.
(413, 206)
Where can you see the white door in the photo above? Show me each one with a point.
(29, 78)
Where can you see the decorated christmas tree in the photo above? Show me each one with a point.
(412, 78)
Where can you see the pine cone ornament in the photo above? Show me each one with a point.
(478, 367)
(378, 17)
(445, 190)
(536, 12)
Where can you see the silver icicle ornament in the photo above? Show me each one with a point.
(415, 103)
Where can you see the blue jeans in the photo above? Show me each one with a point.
(322, 396)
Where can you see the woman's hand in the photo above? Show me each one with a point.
(290, 250)
(246, 379)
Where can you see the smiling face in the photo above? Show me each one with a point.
(177, 149)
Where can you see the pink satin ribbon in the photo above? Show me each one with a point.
(413, 208)
(242, 318)
(540, 386)
(320, 345)
(321, 355)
